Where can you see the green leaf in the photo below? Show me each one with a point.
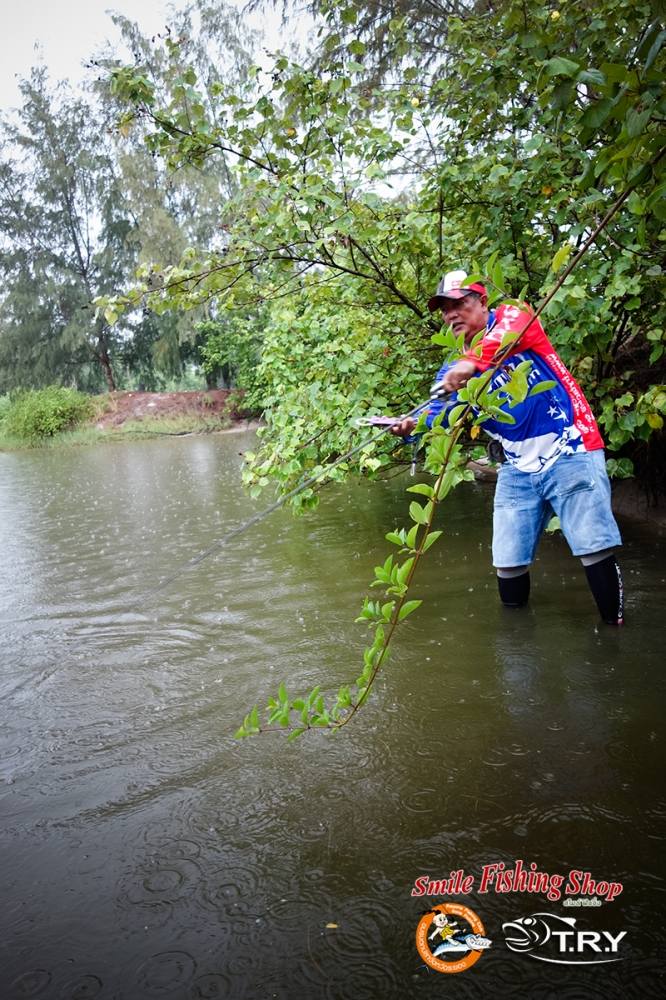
(655, 49)
(542, 387)
(640, 175)
(411, 536)
(344, 696)
(594, 76)
(560, 66)
(423, 488)
(508, 338)
(455, 413)
(597, 114)
(407, 609)
(501, 416)
(636, 121)
(403, 571)
(562, 95)
(497, 173)
(417, 513)
(431, 539)
(295, 734)
(561, 256)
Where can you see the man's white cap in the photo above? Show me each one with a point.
(450, 288)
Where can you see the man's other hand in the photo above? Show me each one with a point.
(404, 428)
(458, 376)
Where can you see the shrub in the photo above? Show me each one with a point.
(40, 413)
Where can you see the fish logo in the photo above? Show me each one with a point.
(527, 933)
(564, 943)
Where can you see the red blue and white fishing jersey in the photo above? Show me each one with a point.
(557, 421)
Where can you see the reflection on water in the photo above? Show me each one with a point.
(147, 854)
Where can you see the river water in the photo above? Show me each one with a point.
(145, 853)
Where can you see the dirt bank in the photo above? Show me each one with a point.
(119, 408)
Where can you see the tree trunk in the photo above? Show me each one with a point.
(102, 355)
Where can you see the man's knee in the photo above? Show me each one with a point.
(513, 583)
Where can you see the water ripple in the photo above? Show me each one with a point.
(84, 988)
(166, 972)
(30, 984)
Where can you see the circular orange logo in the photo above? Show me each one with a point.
(451, 938)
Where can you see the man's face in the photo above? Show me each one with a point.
(467, 315)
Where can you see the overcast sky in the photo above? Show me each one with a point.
(64, 33)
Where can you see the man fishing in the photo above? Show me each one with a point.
(552, 457)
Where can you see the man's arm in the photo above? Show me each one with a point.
(432, 409)
(458, 375)
(509, 319)
(529, 336)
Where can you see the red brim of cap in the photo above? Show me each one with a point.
(437, 301)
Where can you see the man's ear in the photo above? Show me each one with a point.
(484, 300)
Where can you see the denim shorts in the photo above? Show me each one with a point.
(575, 487)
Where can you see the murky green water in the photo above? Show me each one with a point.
(146, 854)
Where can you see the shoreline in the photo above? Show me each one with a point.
(92, 434)
(629, 499)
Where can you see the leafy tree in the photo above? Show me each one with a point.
(511, 149)
(383, 33)
(63, 234)
(230, 348)
(175, 212)
(79, 212)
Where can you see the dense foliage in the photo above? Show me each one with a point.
(36, 414)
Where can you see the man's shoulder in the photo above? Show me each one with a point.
(508, 316)
(511, 318)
